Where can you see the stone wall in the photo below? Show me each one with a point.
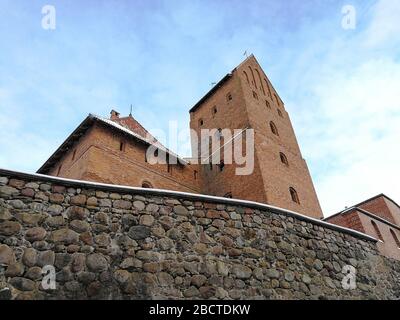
(109, 242)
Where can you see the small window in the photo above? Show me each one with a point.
(280, 113)
(377, 231)
(221, 165)
(201, 122)
(214, 111)
(294, 195)
(284, 159)
(229, 97)
(267, 104)
(274, 129)
(255, 95)
(121, 146)
(195, 174)
(228, 195)
(73, 155)
(59, 169)
(395, 238)
(147, 185)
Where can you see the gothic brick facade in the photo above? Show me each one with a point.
(114, 150)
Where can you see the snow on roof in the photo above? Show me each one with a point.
(137, 136)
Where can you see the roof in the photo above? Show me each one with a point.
(189, 196)
(370, 214)
(211, 92)
(225, 79)
(85, 125)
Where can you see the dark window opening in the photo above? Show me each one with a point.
(274, 129)
(395, 238)
(229, 97)
(221, 165)
(267, 104)
(280, 113)
(210, 166)
(201, 122)
(214, 111)
(284, 159)
(255, 95)
(377, 231)
(121, 146)
(147, 185)
(294, 195)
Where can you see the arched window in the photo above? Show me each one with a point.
(259, 77)
(280, 113)
(252, 75)
(269, 89)
(395, 238)
(284, 159)
(277, 99)
(214, 111)
(228, 195)
(274, 129)
(377, 231)
(294, 195)
(229, 97)
(147, 185)
(247, 77)
(201, 122)
(267, 104)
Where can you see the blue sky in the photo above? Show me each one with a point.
(341, 87)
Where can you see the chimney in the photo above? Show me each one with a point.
(114, 115)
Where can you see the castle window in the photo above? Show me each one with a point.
(59, 169)
(377, 231)
(255, 95)
(147, 185)
(259, 77)
(73, 155)
(269, 90)
(280, 113)
(228, 195)
(274, 129)
(294, 195)
(395, 238)
(195, 174)
(267, 104)
(247, 77)
(284, 159)
(121, 146)
(214, 111)
(201, 122)
(229, 97)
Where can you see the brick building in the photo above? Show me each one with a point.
(378, 217)
(114, 150)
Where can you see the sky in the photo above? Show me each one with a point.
(340, 86)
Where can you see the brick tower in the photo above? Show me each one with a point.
(246, 99)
